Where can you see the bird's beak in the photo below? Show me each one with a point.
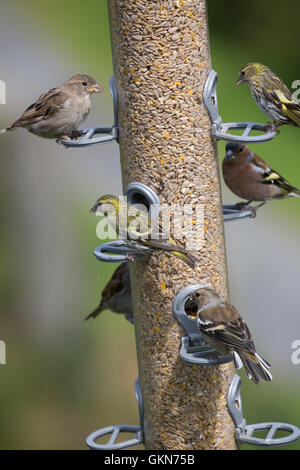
(95, 88)
(241, 79)
(229, 153)
(94, 209)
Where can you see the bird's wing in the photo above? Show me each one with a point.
(117, 283)
(168, 245)
(281, 98)
(224, 324)
(270, 176)
(44, 108)
(142, 227)
(148, 232)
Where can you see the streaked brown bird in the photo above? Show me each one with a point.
(116, 295)
(271, 95)
(224, 329)
(61, 110)
(251, 178)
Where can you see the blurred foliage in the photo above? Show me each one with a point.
(53, 398)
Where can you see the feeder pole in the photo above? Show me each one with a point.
(161, 62)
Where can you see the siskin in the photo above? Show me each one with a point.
(271, 95)
(116, 295)
(138, 229)
(224, 329)
(251, 178)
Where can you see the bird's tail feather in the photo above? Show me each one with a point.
(293, 114)
(295, 192)
(187, 258)
(256, 367)
(9, 129)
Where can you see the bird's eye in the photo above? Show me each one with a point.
(105, 213)
(197, 294)
(84, 83)
(243, 72)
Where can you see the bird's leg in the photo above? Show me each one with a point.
(254, 209)
(273, 126)
(269, 127)
(64, 137)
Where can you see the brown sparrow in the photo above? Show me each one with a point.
(61, 110)
(116, 295)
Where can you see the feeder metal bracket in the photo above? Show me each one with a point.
(194, 350)
(222, 130)
(244, 432)
(116, 252)
(231, 213)
(114, 431)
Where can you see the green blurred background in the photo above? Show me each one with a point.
(65, 378)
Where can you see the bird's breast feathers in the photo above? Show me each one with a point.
(66, 118)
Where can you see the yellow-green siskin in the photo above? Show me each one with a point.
(138, 229)
(271, 95)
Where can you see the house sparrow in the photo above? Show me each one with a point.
(271, 95)
(250, 178)
(116, 295)
(138, 229)
(61, 110)
(224, 329)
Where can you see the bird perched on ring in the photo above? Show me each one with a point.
(61, 110)
(224, 329)
(116, 295)
(136, 227)
(250, 177)
(271, 95)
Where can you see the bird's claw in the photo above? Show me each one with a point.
(244, 206)
(270, 127)
(130, 257)
(62, 137)
(75, 135)
(253, 212)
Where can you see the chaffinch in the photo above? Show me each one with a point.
(250, 178)
(224, 329)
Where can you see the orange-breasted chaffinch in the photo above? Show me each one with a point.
(251, 178)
